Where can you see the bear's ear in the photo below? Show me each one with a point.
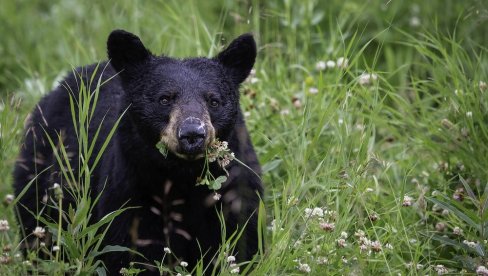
(125, 50)
(239, 57)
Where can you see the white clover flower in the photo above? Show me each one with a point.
(344, 235)
(342, 62)
(326, 226)
(407, 201)
(304, 268)
(8, 199)
(55, 248)
(363, 248)
(308, 212)
(317, 212)
(4, 227)
(217, 196)
(183, 264)
(322, 260)
(313, 90)
(359, 233)
(330, 64)
(235, 270)
(441, 270)
(39, 232)
(231, 259)
(389, 246)
(341, 243)
(167, 250)
(482, 85)
(414, 21)
(253, 80)
(457, 231)
(469, 114)
(376, 246)
(482, 271)
(320, 65)
(367, 78)
(470, 243)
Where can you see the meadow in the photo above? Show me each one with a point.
(370, 119)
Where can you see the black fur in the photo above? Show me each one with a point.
(132, 171)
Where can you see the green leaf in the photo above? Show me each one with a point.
(163, 149)
(217, 183)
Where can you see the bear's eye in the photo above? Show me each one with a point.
(165, 100)
(214, 103)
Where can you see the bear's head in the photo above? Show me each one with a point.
(186, 103)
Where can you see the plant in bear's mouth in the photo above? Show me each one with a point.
(163, 149)
(217, 151)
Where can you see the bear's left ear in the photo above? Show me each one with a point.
(126, 51)
(239, 57)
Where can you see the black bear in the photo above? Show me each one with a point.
(185, 104)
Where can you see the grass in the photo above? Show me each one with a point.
(345, 159)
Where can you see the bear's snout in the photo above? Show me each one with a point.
(192, 135)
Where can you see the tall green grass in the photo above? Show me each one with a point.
(352, 152)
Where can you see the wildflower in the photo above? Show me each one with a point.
(367, 79)
(482, 271)
(445, 212)
(8, 199)
(235, 270)
(436, 208)
(344, 235)
(373, 217)
(330, 64)
(344, 260)
(4, 227)
(359, 233)
(55, 248)
(326, 226)
(441, 270)
(457, 231)
(296, 102)
(285, 112)
(341, 243)
(363, 248)
(458, 194)
(217, 196)
(39, 232)
(183, 264)
(364, 240)
(253, 80)
(369, 190)
(219, 151)
(317, 212)
(304, 268)
(58, 192)
(342, 62)
(167, 250)
(440, 227)
(469, 114)
(5, 259)
(407, 201)
(470, 243)
(389, 246)
(414, 21)
(231, 259)
(313, 90)
(482, 85)
(376, 246)
(322, 260)
(320, 66)
(27, 263)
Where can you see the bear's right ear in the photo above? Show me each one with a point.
(125, 50)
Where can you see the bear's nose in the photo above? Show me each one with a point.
(191, 135)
